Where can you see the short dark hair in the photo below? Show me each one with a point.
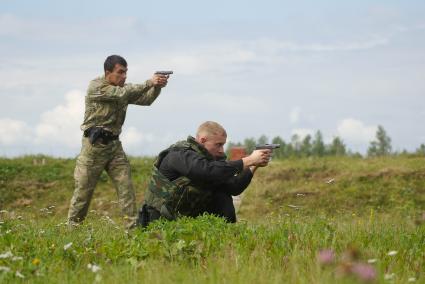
(113, 60)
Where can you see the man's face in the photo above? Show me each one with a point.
(214, 144)
(117, 76)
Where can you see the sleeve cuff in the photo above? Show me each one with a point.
(149, 83)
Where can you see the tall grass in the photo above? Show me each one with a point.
(366, 212)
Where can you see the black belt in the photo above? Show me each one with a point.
(101, 135)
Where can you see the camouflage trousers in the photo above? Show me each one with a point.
(90, 164)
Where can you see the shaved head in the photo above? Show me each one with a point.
(213, 137)
(210, 128)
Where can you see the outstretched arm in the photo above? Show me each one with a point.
(146, 94)
(199, 169)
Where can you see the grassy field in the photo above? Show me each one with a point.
(327, 220)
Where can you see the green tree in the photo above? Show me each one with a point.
(279, 153)
(318, 147)
(337, 147)
(306, 146)
(296, 145)
(382, 145)
(289, 150)
(249, 144)
(263, 139)
(421, 150)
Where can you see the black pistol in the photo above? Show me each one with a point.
(164, 72)
(267, 146)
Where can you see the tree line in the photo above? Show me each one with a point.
(314, 146)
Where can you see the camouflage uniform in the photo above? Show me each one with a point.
(180, 196)
(106, 107)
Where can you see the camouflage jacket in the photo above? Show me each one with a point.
(180, 196)
(106, 104)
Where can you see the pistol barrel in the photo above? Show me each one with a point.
(164, 72)
(267, 146)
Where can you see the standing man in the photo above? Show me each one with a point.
(106, 104)
(192, 177)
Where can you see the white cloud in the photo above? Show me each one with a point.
(355, 131)
(214, 102)
(138, 142)
(65, 30)
(132, 137)
(302, 132)
(273, 45)
(230, 103)
(294, 115)
(13, 132)
(198, 59)
(232, 56)
(61, 124)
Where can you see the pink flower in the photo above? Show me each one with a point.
(326, 256)
(364, 272)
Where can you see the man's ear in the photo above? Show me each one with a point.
(202, 140)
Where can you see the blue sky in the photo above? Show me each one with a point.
(269, 67)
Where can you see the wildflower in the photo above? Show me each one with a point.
(330, 181)
(36, 261)
(67, 246)
(364, 272)
(326, 256)
(107, 218)
(372, 260)
(93, 267)
(4, 269)
(393, 252)
(16, 258)
(411, 279)
(19, 274)
(38, 273)
(6, 255)
(8, 231)
(389, 276)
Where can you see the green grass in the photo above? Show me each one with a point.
(359, 208)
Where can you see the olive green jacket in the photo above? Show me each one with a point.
(106, 104)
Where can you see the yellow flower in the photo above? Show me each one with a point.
(36, 261)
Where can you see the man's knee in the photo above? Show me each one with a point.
(146, 215)
(222, 205)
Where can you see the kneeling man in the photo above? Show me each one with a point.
(192, 177)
